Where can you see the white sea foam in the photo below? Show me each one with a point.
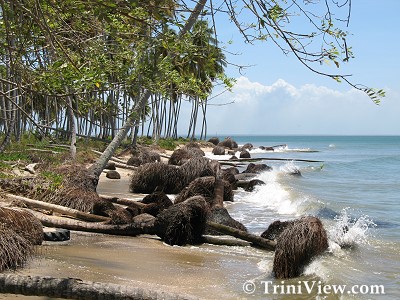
(317, 267)
(281, 149)
(347, 231)
(217, 157)
(274, 195)
(289, 167)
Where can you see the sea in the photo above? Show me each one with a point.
(352, 183)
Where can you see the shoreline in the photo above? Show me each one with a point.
(240, 264)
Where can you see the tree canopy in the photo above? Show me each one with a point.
(88, 67)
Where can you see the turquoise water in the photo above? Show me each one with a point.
(355, 186)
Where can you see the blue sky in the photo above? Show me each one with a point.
(277, 95)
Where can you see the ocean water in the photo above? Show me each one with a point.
(355, 185)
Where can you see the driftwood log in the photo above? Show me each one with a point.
(113, 158)
(122, 201)
(254, 239)
(142, 224)
(73, 288)
(225, 241)
(59, 209)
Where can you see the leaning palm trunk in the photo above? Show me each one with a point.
(99, 165)
(140, 225)
(72, 288)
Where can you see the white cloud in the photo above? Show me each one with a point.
(281, 108)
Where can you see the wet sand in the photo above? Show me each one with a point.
(206, 271)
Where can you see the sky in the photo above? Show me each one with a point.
(279, 96)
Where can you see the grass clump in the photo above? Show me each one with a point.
(13, 156)
(55, 179)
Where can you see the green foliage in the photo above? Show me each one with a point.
(145, 140)
(168, 144)
(375, 94)
(13, 156)
(55, 179)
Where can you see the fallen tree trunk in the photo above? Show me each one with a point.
(165, 155)
(242, 183)
(254, 239)
(223, 241)
(140, 225)
(123, 201)
(244, 176)
(125, 166)
(59, 209)
(113, 158)
(43, 150)
(73, 288)
(233, 164)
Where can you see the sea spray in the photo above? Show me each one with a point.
(348, 231)
(273, 195)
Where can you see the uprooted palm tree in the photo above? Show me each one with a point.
(300, 241)
(204, 186)
(168, 178)
(72, 186)
(183, 223)
(19, 232)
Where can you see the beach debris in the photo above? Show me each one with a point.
(182, 155)
(56, 234)
(231, 170)
(229, 177)
(244, 154)
(179, 157)
(149, 177)
(183, 223)
(250, 186)
(71, 186)
(113, 175)
(204, 186)
(199, 167)
(141, 155)
(247, 146)
(19, 232)
(171, 179)
(214, 140)
(110, 166)
(254, 239)
(275, 229)
(31, 168)
(300, 242)
(220, 215)
(218, 150)
(155, 203)
(23, 223)
(257, 168)
(31, 203)
(15, 249)
(74, 288)
(141, 224)
(228, 143)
